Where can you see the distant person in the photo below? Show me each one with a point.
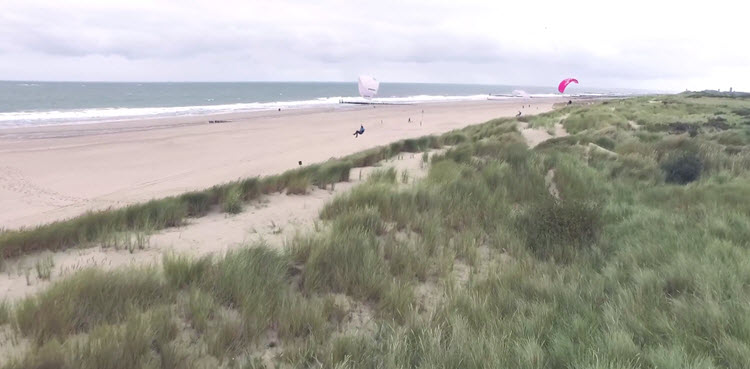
(409, 120)
(300, 162)
(360, 131)
(570, 102)
(279, 109)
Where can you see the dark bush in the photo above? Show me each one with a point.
(683, 168)
(718, 122)
(679, 128)
(676, 128)
(411, 145)
(396, 147)
(558, 230)
(606, 143)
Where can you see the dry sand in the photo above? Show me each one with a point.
(274, 219)
(52, 173)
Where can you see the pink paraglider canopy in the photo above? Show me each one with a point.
(564, 83)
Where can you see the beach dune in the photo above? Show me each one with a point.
(53, 173)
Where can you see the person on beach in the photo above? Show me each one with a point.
(360, 131)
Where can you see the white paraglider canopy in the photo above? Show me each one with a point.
(368, 87)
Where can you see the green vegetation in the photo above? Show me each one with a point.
(44, 267)
(640, 259)
(682, 168)
(383, 175)
(556, 230)
(4, 312)
(298, 186)
(231, 200)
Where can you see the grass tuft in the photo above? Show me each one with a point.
(298, 185)
(87, 299)
(231, 201)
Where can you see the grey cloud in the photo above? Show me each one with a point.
(283, 40)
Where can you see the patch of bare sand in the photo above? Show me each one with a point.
(549, 180)
(535, 136)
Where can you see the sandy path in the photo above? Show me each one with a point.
(52, 173)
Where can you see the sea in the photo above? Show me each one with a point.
(30, 103)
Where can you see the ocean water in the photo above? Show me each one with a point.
(25, 103)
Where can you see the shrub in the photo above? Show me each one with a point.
(682, 168)
(558, 230)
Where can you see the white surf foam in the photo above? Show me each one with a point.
(84, 116)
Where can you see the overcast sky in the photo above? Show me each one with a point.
(641, 44)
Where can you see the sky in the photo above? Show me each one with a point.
(661, 45)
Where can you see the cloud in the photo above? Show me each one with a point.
(471, 41)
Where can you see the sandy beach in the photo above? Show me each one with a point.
(53, 173)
